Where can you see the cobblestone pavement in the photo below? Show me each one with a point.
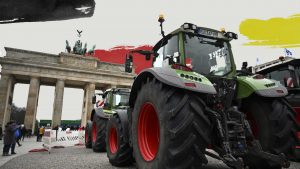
(80, 157)
(27, 144)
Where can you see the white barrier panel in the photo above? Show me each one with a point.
(63, 138)
(68, 138)
(48, 139)
(81, 137)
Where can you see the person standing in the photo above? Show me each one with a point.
(15, 129)
(1, 134)
(9, 138)
(23, 131)
(41, 133)
(37, 132)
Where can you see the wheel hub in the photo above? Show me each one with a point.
(113, 140)
(148, 132)
(94, 132)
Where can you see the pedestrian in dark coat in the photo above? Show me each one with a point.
(23, 132)
(9, 138)
(1, 132)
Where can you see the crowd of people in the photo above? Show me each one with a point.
(13, 133)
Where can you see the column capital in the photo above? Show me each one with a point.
(60, 80)
(89, 85)
(35, 77)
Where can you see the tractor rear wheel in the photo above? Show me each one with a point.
(119, 151)
(273, 124)
(88, 132)
(169, 128)
(98, 134)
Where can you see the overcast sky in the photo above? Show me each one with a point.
(134, 22)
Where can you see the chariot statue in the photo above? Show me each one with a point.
(78, 48)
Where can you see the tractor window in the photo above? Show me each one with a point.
(171, 47)
(207, 56)
(297, 69)
(120, 99)
(166, 53)
(283, 76)
(159, 59)
(107, 100)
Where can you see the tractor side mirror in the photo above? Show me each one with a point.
(128, 64)
(94, 99)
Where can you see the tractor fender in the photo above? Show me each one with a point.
(176, 78)
(99, 113)
(122, 114)
(248, 85)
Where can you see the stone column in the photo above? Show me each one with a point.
(6, 95)
(32, 103)
(58, 103)
(89, 91)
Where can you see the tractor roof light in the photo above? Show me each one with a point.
(223, 30)
(189, 26)
(281, 58)
(161, 18)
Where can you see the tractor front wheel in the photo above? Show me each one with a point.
(169, 128)
(88, 133)
(98, 134)
(119, 151)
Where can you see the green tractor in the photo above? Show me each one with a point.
(193, 99)
(285, 70)
(114, 99)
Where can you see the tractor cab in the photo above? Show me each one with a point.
(192, 48)
(285, 70)
(114, 98)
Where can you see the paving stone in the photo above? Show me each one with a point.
(76, 157)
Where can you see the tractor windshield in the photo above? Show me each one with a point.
(120, 99)
(207, 56)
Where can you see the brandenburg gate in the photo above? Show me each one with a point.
(62, 70)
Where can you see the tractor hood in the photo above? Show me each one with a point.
(260, 86)
(183, 79)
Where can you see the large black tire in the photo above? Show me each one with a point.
(88, 133)
(273, 123)
(294, 100)
(98, 134)
(118, 149)
(169, 128)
